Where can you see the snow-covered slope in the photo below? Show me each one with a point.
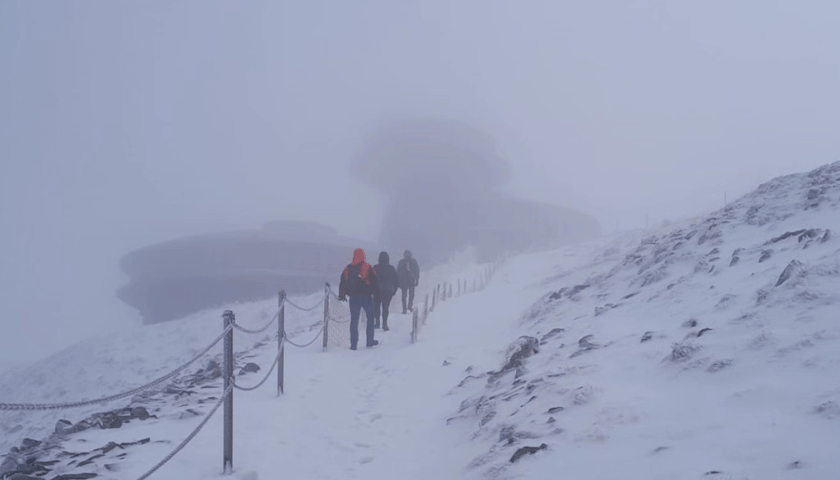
(712, 346)
(707, 350)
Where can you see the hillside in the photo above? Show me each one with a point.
(704, 350)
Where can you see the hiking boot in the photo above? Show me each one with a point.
(385, 328)
(352, 347)
(375, 343)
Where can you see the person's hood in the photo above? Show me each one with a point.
(384, 259)
(408, 255)
(358, 256)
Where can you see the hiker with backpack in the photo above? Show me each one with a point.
(409, 277)
(386, 275)
(359, 282)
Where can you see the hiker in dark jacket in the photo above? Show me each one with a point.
(386, 275)
(359, 282)
(408, 273)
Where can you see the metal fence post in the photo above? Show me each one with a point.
(434, 298)
(281, 337)
(326, 314)
(414, 326)
(459, 287)
(426, 309)
(227, 454)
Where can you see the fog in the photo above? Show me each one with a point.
(124, 124)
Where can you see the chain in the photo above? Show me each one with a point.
(260, 330)
(306, 344)
(306, 309)
(85, 403)
(189, 438)
(276, 359)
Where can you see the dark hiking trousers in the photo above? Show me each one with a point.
(383, 303)
(357, 303)
(410, 292)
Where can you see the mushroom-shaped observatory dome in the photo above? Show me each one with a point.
(424, 152)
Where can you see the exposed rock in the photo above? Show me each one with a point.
(75, 476)
(63, 426)
(828, 409)
(789, 271)
(826, 236)
(719, 365)
(555, 409)
(690, 323)
(702, 331)
(553, 333)
(601, 310)
(765, 255)
(795, 465)
(550, 420)
(518, 351)
(647, 336)
(585, 345)
(446, 363)
(681, 352)
(784, 236)
(526, 451)
(249, 368)
(140, 413)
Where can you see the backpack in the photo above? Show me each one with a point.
(355, 283)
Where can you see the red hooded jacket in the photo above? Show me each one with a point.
(358, 278)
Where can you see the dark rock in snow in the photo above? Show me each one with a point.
(789, 271)
(63, 426)
(446, 363)
(521, 349)
(690, 323)
(795, 465)
(734, 261)
(249, 368)
(702, 331)
(553, 333)
(140, 413)
(75, 476)
(647, 336)
(826, 236)
(29, 443)
(785, 236)
(810, 233)
(765, 255)
(550, 420)
(681, 352)
(719, 365)
(659, 450)
(526, 451)
(555, 409)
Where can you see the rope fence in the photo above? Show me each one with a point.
(333, 331)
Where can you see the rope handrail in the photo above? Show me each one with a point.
(189, 437)
(276, 359)
(286, 337)
(259, 330)
(110, 398)
(306, 309)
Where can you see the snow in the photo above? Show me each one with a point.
(755, 397)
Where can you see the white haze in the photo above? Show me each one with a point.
(123, 124)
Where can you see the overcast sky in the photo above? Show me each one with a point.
(125, 123)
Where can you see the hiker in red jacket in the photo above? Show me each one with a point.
(358, 280)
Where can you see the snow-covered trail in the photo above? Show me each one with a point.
(373, 413)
